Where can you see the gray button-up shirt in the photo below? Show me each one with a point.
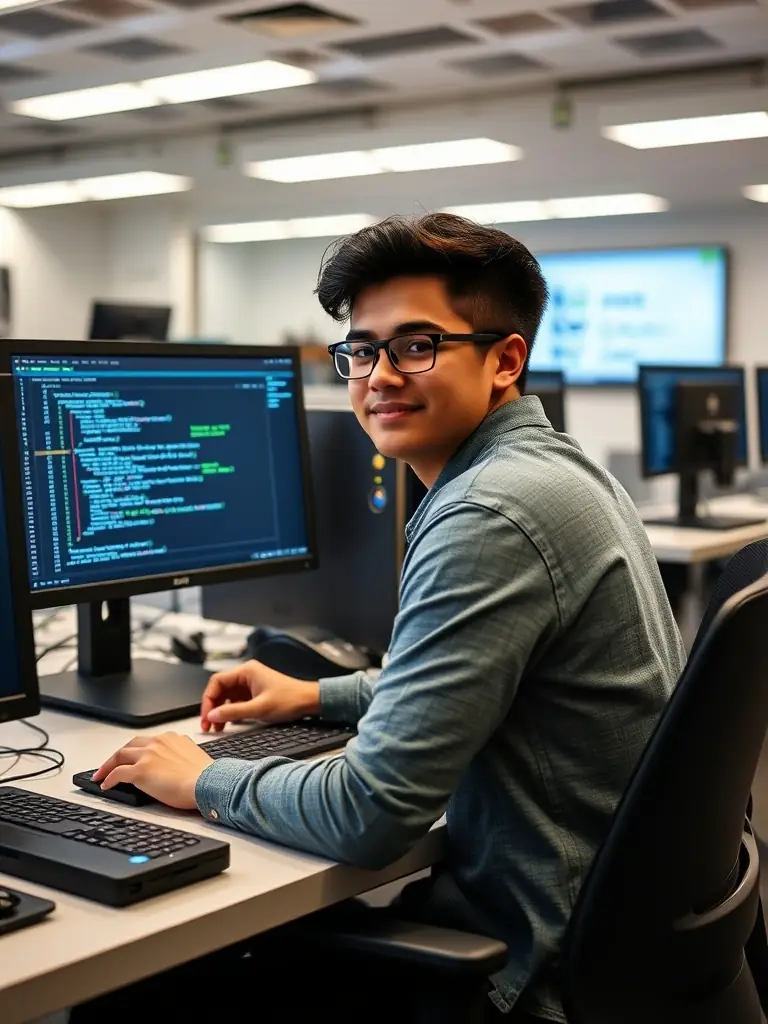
(532, 654)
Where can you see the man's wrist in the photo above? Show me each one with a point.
(309, 700)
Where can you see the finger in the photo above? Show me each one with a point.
(125, 755)
(218, 688)
(123, 773)
(235, 712)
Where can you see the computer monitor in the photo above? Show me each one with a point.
(762, 411)
(143, 471)
(549, 387)
(111, 321)
(19, 696)
(693, 419)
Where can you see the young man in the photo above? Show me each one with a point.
(534, 648)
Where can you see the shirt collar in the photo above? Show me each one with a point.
(526, 411)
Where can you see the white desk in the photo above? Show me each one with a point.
(685, 546)
(85, 949)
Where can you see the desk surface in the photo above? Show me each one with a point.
(85, 948)
(686, 546)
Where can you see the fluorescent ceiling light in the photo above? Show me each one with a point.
(456, 153)
(104, 99)
(758, 193)
(355, 163)
(84, 190)
(690, 131)
(502, 213)
(554, 209)
(607, 206)
(19, 5)
(214, 83)
(297, 227)
(315, 168)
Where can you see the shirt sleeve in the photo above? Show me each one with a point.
(345, 698)
(477, 602)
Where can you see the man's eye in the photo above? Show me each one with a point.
(363, 352)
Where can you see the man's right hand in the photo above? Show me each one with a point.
(253, 691)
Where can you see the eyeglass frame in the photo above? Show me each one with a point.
(436, 339)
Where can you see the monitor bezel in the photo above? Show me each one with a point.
(100, 307)
(27, 703)
(643, 369)
(762, 414)
(621, 384)
(139, 585)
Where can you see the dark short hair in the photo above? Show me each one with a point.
(494, 282)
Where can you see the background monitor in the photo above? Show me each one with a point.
(112, 321)
(549, 387)
(762, 407)
(18, 674)
(693, 419)
(144, 471)
(612, 309)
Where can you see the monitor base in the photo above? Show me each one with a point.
(705, 522)
(152, 693)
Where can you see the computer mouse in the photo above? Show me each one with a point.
(189, 649)
(8, 903)
(305, 652)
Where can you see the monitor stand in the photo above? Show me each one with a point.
(110, 687)
(687, 514)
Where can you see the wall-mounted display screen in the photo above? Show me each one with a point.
(613, 309)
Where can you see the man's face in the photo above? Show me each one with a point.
(421, 418)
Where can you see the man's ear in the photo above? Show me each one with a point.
(511, 354)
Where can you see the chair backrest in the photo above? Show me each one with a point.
(746, 567)
(659, 928)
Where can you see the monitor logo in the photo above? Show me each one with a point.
(713, 404)
(181, 581)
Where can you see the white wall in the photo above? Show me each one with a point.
(57, 266)
(255, 292)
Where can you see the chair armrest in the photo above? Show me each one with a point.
(406, 942)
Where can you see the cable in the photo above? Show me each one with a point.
(42, 751)
(55, 647)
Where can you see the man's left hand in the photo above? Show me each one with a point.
(166, 767)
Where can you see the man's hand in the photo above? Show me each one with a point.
(253, 691)
(166, 767)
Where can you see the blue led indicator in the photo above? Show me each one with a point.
(139, 858)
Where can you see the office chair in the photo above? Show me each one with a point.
(659, 931)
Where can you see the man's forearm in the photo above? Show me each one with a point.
(345, 698)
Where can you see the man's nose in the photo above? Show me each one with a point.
(385, 374)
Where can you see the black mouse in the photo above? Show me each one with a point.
(189, 649)
(8, 903)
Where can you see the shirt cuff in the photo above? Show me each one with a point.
(216, 784)
(339, 698)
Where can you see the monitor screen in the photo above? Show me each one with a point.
(611, 310)
(120, 322)
(148, 469)
(10, 674)
(762, 404)
(657, 386)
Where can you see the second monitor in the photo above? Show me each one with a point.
(693, 420)
(549, 387)
(762, 407)
(141, 471)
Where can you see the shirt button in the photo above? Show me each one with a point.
(213, 815)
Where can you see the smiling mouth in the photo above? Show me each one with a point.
(390, 414)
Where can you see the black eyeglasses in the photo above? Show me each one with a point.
(408, 353)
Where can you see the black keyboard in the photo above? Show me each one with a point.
(98, 854)
(297, 740)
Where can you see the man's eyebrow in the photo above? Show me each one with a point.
(410, 327)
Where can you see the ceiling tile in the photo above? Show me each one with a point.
(499, 64)
(352, 86)
(39, 24)
(289, 21)
(516, 24)
(701, 5)
(191, 4)
(665, 44)
(611, 12)
(303, 58)
(405, 42)
(106, 10)
(135, 48)
(17, 73)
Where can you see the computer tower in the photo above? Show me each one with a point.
(362, 504)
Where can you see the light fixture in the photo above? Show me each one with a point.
(502, 213)
(214, 83)
(690, 131)
(84, 190)
(6, 6)
(555, 209)
(420, 157)
(757, 193)
(297, 227)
